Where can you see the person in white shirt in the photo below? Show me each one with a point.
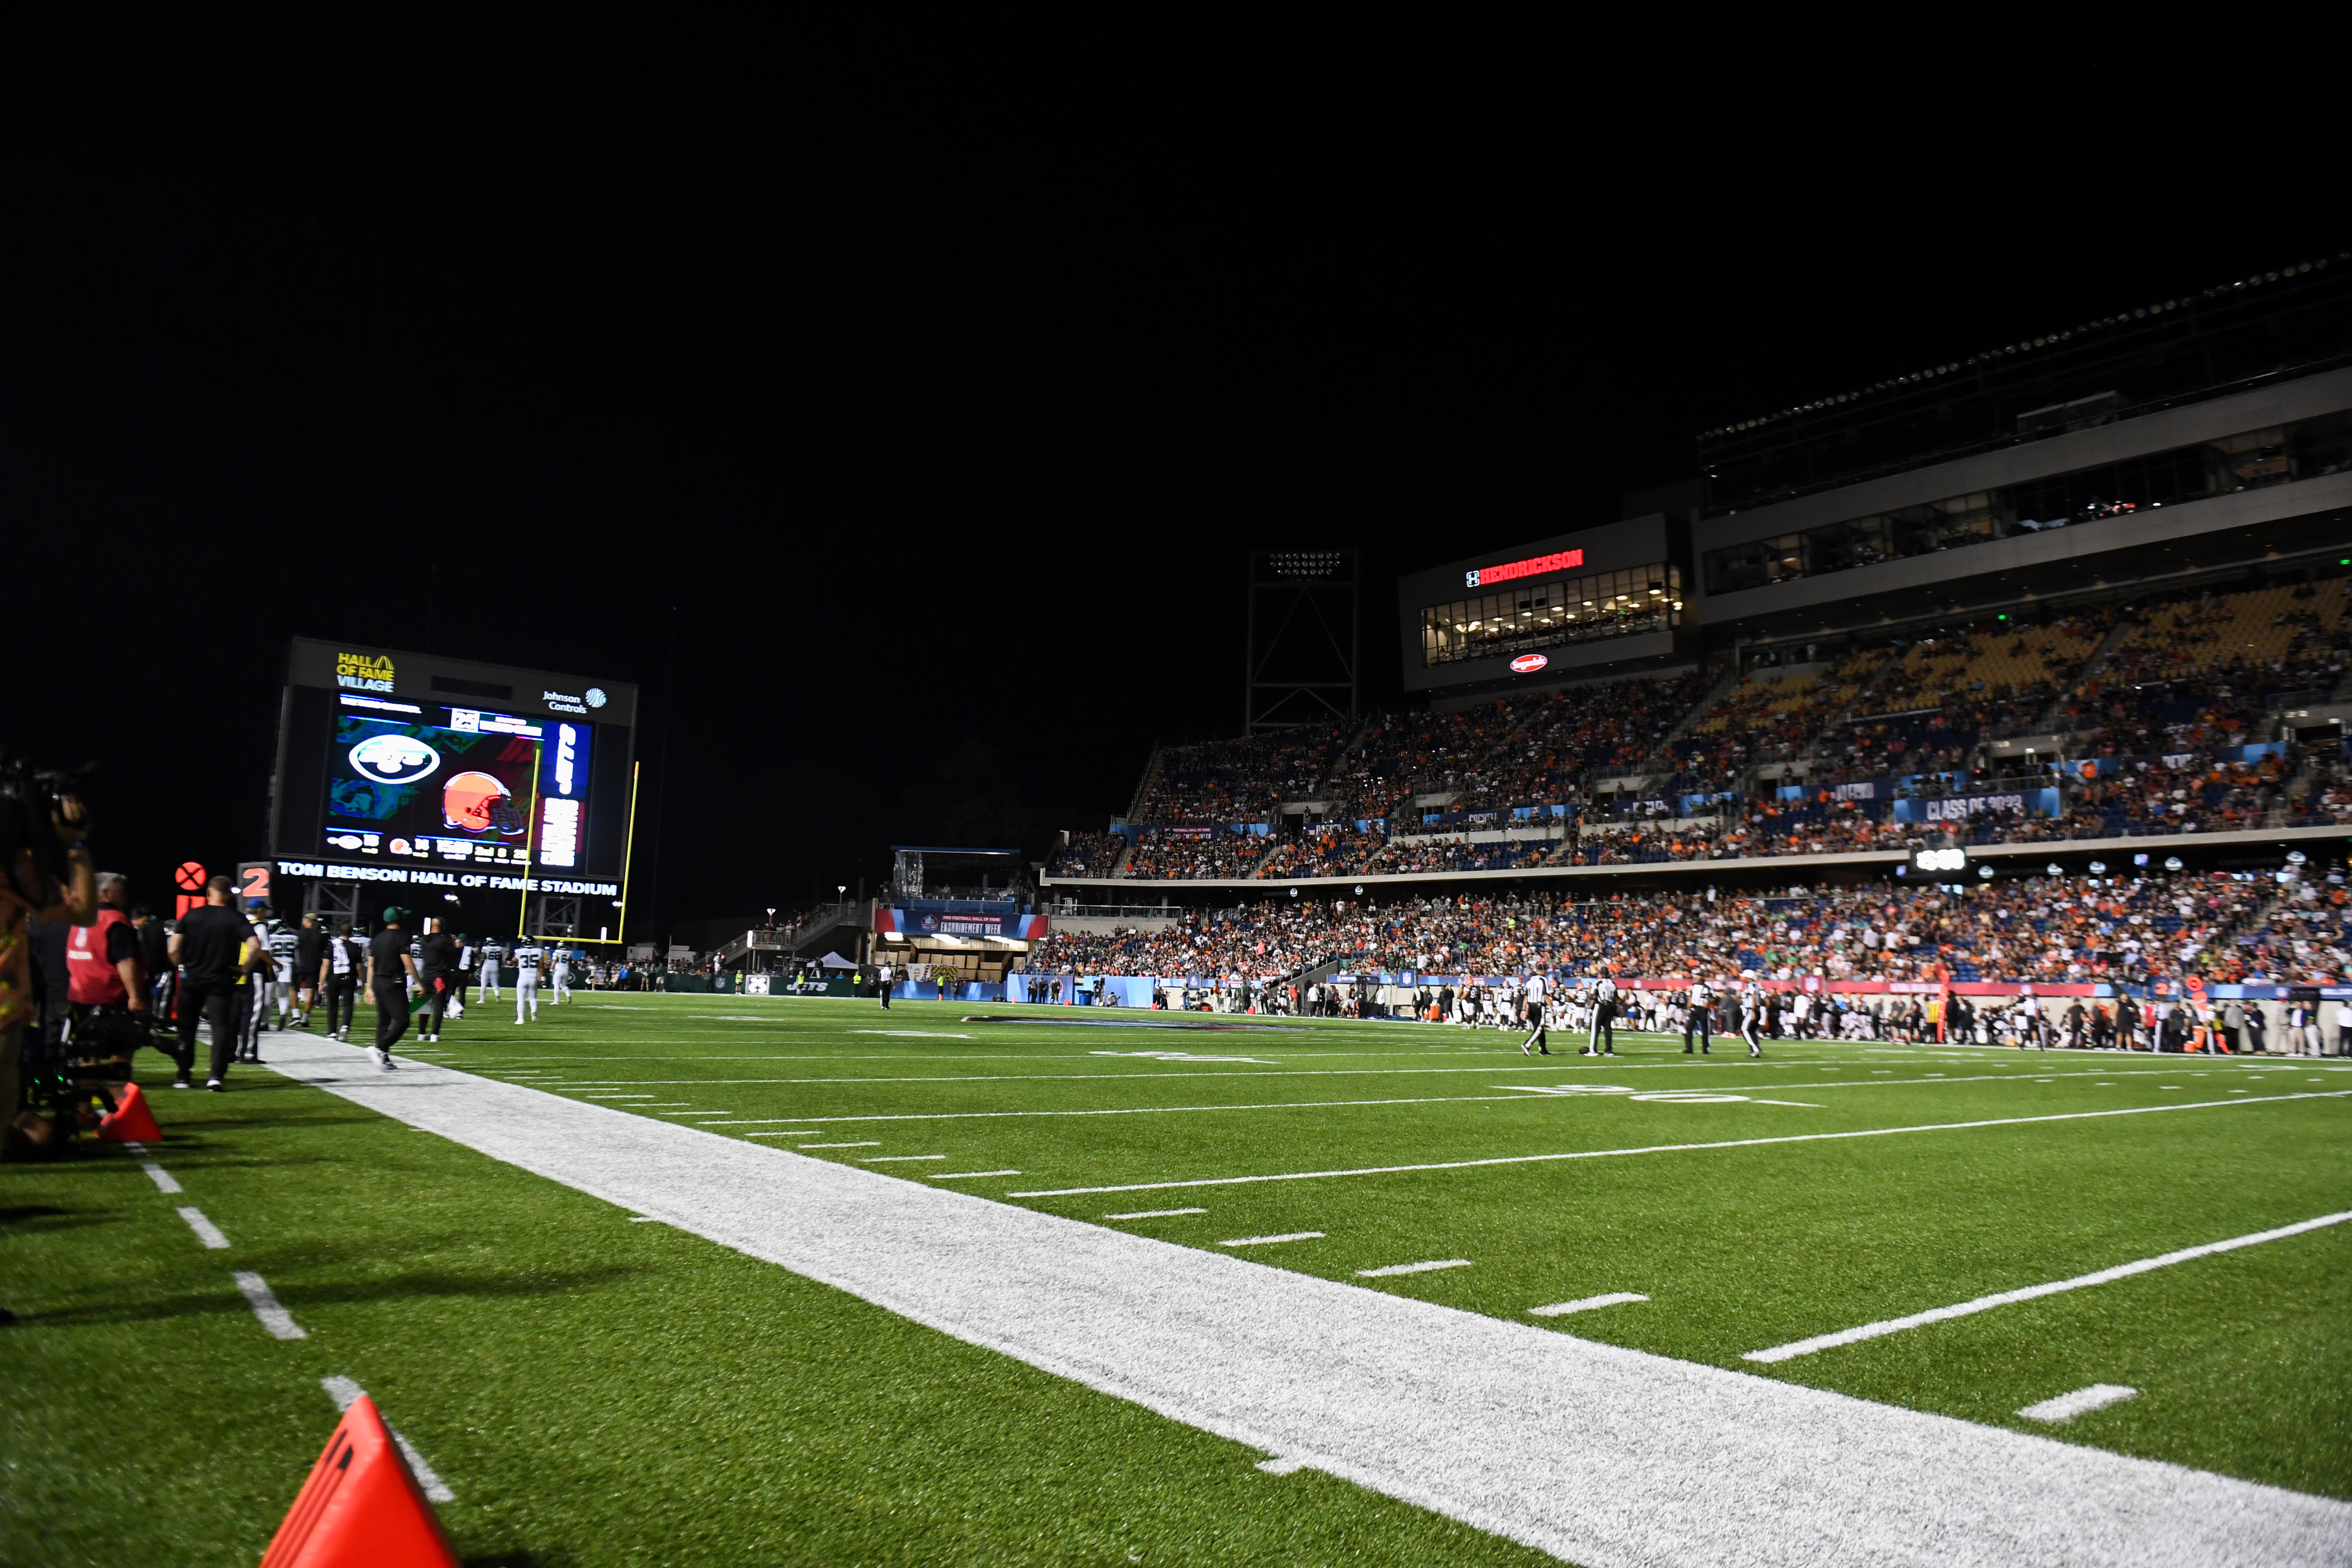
(1539, 1040)
(528, 956)
(492, 953)
(1700, 1018)
(882, 985)
(1751, 1018)
(559, 964)
(1604, 1017)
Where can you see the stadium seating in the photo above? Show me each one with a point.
(2169, 686)
(2161, 926)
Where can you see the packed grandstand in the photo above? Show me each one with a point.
(2145, 716)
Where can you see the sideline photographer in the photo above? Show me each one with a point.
(45, 874)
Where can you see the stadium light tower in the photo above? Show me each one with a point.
(1303, 638)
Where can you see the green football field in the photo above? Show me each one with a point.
(596, 1388)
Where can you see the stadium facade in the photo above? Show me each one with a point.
(1999, 605)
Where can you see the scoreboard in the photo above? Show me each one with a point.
(403, 767)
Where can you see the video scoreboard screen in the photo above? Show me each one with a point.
(390, 759)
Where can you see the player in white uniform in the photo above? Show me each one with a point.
(559, 964)
(1751, 1018)
(283, 940)
(528, 956)
(492, 952)
(1539, 1033)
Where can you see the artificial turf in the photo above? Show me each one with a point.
(599, 1391)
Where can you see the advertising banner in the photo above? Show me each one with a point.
(1961, 808)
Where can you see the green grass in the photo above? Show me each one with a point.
(597, 1391)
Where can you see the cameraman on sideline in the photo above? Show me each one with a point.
(44, 873)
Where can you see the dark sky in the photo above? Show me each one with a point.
(921, 396)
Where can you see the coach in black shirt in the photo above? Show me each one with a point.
(389, 968)
(209, 948)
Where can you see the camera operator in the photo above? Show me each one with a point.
(210, 948)
(107, 980)
(44, 873)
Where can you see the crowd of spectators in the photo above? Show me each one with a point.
(1166, 854)
(1333, 851)
(2222, 927)
(1086, 854)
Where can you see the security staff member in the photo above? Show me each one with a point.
(390, 971)
(210, 948)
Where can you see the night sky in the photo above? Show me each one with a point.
(914, 398)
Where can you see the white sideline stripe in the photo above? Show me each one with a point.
(161, 1178)
(256, 1291)
(1270, 1240)
(963, 1176)
(1986, 1303)
(1153, 1214)
(2082, 1402)
(1585, 1304)
(1671, 1148)
(344, 1391)
(1394, 1269)
(206, 1231)
(1453, 1411)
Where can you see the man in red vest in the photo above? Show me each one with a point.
(106, 975)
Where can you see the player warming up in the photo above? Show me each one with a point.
(559, 967)
(1751, 1018)
(528, 956)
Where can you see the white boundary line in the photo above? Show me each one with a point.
(1796, 1347)
(264, 1302)
(206, 1231)
(1671, 1148)
(1453, 1411)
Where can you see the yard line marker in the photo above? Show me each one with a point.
(275, 1318)
(1395, 1268)
(1668, 1148)
(1986, 1303)
(1800, 1104)
(160, 1176)
(1270, 1240)
(343, 1391)
(869, 1144)
(1153, 1214)
(965, 1176)
(1146, 1110)
(1585, 1304)
(206, 1231)
(1444, 1409)
(2082, 1402)
(885, 1159)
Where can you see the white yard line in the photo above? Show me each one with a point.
(2033, 1292)
(1664, 1147)
(1585, 1304)
(259, 1296)
(344, 1391)
(963, 1176)
(206, 1231)
(1123, 1110)
(1273, 1240)
(1395, 1268)
(1453, 1411)
(2082, 1402)
(164, 1180)
(1153, 1214)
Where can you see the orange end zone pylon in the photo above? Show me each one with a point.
(130, 1121)
(360, 1506)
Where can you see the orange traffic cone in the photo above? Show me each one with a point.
(360, 1506)
(130, 1121)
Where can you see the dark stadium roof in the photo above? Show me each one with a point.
(2026, 346)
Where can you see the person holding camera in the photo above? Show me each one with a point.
(211, 947)
(45, 874)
